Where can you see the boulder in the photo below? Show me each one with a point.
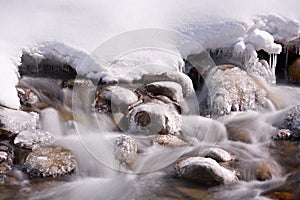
(218, 154)
(204, 171)
(6, 163)
(125, 149)
(170, 140)
(292, 122)
(231, 89)
(50, 161)
(154, 118)
(28, 139)
(294, 71)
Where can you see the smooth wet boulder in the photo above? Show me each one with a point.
(292, 122)
(15, 121)
(170, 140)
(50, 161)
(239, 134)
(294, 71)
(204, 171)
(232, 89)
(218, 154)
(125, 149)
(31, 138)
(154, 118)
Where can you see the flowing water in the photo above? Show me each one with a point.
(94, 180)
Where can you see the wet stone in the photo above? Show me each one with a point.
(170, 140)
(292, 122)
(125, 149)
(78, 83)
(204, 171)
(6, 163)
(238, 134)
(50, 161)
(282, 134)
(218, 154)
(29, 138)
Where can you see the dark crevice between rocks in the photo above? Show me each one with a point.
(45, 68)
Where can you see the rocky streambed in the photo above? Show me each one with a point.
(242, 144)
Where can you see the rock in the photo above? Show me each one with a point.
(6, 162)
(263, 171)
(29, 138)
(166, 91)
(294, 71)
(153, 118)
(292, 122)
(232, 89)
(50, 161)
(125, 149)
(204, 171)
(238, 134)
(170, 140)
(282, 134)
(218, 154)
(15, 121)
(78, 83)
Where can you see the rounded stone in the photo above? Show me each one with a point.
(294, 71)
(170, 140)
(50, 161)
(29, 138)
(125, 149)
(292, 122)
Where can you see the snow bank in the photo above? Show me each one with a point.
(44, 28)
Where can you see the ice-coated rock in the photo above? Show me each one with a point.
(232, 89)
(50, 161)
(152, 118)
(29, 138)
(282, 134)
(16, 121)
(218, 154)
(170, 140)
(125, 149)
(205, 171)
(292, 122)
(78, 83)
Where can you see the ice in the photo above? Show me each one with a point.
(69, 31)
(30, 138)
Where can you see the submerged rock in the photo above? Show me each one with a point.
(50, 161)
(170, 140)
(153, 118)
(292, 122)
(15, 121)
(125, 149)
(29, 138)
(204, 171)
(218, 154)
(232, 89)
(238, 134)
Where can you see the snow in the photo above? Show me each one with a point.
(69, 31)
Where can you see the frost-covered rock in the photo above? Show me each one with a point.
(50, 161)
(292, 122)
(170, 140)
(16, 121)
(205, 171)
(125, 149)
(282, 134)
(218, 154)
(232, 89)
(30, 138)
(78, 83)
(154, 118)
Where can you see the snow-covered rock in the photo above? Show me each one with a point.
(125, 149)
(154, 118)
(292, 122)
(204, 171)
(170, 140)
(31, 138)
(218, 154)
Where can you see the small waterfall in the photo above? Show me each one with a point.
(50, 121)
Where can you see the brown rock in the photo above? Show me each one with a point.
(238, 134)
(294, 71)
